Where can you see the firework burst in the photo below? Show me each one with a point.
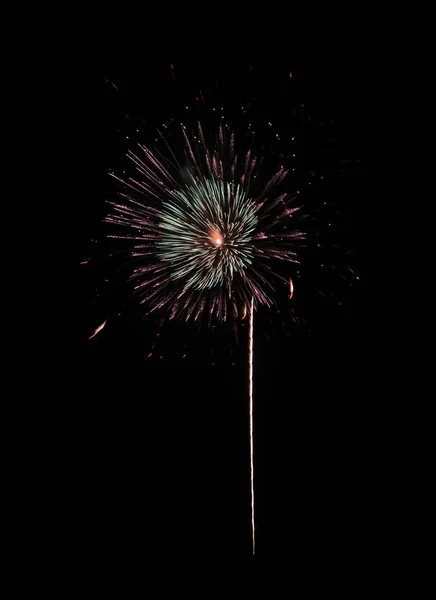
(204, 229)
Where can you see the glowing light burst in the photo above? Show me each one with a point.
(207, 234)
(205, 228)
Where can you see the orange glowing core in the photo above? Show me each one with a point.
(216, 238)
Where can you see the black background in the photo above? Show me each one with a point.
(165, 444)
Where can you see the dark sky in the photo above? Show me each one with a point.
(169, 456)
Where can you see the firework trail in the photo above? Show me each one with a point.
(250, 379)
(205, 231)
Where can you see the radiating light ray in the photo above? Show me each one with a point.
(250, 380)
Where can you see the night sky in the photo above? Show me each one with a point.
(169, 462)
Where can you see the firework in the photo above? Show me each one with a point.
(205, 228)
(206, 233)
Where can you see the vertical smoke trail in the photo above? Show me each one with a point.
(250, 377)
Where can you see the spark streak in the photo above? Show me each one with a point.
(291, 288)
(99, 328)
(244, 311)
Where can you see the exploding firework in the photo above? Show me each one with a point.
(207, 233)
(205, 230)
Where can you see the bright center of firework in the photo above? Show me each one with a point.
(197, 222)
(215, 237)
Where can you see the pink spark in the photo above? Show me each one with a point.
(99, 328)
